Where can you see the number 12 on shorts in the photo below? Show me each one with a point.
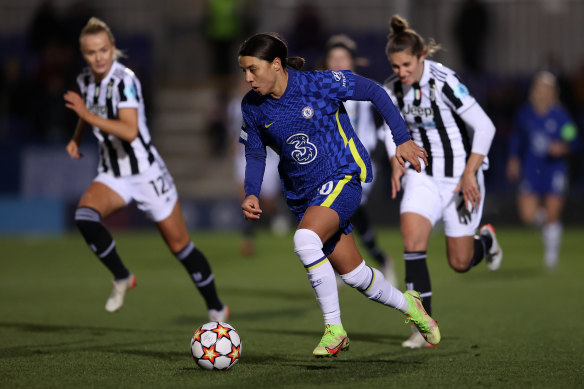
(160, 185)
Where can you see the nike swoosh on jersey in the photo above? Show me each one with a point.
(268, 125)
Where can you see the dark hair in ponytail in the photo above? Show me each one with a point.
(402, 38)
(269, 46)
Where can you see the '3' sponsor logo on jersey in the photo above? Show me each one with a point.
(304, 152)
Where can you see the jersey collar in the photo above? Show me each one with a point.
(292, 74)
(426, 74)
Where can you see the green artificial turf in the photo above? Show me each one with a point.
(518, 327)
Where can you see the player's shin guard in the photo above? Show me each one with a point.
(100, 241)
(308, 247)
(197, 266)
(372, 284)
(418, 277)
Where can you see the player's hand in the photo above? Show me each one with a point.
(251, 208)
(558, 149)
(397, 171)
(73, 150)
(470, 190)
(75, 103)
(411, 152)
(513, 169)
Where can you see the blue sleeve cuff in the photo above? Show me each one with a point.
(366, 89)
(254, 171)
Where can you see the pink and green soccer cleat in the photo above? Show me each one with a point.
(333, 341)
(417, 315)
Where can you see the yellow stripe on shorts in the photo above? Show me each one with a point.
(334, 194)
(353, 148)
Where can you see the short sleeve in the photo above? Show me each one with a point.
(128, 92)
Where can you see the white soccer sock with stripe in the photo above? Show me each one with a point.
(308, 247)
(372, 284)
(552, 239)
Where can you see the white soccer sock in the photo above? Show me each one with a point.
(372, 284)
(552, 238)
(308, 247)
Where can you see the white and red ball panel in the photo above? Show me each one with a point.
(216, 346)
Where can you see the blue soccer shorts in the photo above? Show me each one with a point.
(341, 194)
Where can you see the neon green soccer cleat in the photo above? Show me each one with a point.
(418, 316)
(334, 340)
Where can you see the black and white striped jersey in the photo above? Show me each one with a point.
(361, 116)
(432, 110)
(119, 89)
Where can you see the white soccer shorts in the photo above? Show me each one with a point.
(153, 191)
(434, 199)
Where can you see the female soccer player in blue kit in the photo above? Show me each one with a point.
(300, 115)
(544, 136)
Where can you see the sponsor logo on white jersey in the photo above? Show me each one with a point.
(99, 110)
(417, 111)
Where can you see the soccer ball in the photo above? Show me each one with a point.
(216, 346)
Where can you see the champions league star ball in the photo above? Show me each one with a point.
(216, 346)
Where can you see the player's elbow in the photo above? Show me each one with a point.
(489, 128)
(131, 134)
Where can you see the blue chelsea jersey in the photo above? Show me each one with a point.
(310, 130)
(533, 133)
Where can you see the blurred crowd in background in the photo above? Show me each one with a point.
(40, 61)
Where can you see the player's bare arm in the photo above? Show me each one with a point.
(468, 182)
(513, 169)
(409, 151)
(397, 171)
(251, 208)
(73, 145)
(125, 127)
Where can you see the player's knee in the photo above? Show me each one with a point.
(306, 240)
(176, 242)
(411, 245)
(460, 264)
